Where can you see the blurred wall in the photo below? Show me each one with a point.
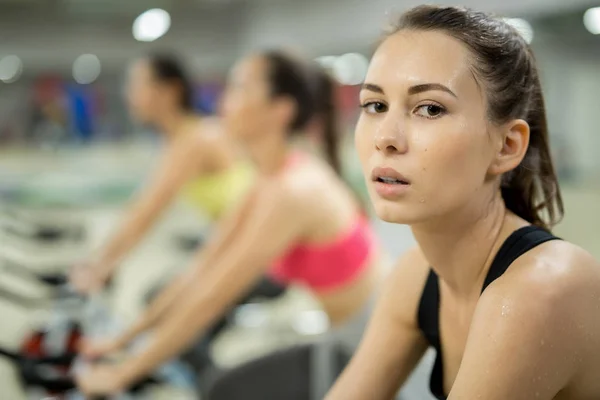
(49, 35)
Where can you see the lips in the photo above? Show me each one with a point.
(389, 184)
(388, 176)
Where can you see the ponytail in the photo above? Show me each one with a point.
(167, 68)
(531, 191)
(326, 112)
(313, 91)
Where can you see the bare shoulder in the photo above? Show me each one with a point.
(206, 132)
(411, 271)
(552, 285)
(553, 270)
(279, 193)
(540, 319)
(208, 143)
(302, 181)
(404, 286)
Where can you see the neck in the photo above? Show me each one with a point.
(269, 152)
(460, 246)
(170, 122)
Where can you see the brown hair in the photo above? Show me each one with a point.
(313, 91)
(167, 68)
(506, 66)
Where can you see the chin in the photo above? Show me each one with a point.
(395, 213)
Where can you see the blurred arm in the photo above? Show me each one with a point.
(274, 223)
(392, 344)
(163, 303)
(155, 311)
(177, 166)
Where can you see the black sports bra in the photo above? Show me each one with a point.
(517, 244)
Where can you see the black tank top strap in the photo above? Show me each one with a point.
(429, 324)
(517, 244)
(430, 301)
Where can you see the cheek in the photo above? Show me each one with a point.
(240, 113)
(454, 167)
(140, 103)
(234, 106)
(227, 106)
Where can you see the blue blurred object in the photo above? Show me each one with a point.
(207, 98)
(82, 116)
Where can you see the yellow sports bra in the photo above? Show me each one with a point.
(214, 194)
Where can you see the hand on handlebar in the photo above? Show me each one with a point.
(88, 278)
(99, 348)
(101, 380)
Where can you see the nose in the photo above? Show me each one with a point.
(390, 138)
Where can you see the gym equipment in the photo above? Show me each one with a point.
(188, 243)
(48, 355)
(42, 244)
(43, 288)
(286, 374)
(53, 374)
(20, 225)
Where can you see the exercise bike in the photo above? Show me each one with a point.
(47, 357)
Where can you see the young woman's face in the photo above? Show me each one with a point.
(423, 137)
(246, 106)
(143, 92)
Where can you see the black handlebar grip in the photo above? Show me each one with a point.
(54, 280)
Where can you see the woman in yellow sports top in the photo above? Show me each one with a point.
(198, 162)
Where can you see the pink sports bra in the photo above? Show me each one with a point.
(327, 266)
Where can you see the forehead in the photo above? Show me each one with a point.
(416, 57)
(139, 70)
(252, 67)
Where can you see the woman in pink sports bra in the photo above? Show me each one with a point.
(300, 223)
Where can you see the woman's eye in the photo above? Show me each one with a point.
(430, 110)
(374, 107)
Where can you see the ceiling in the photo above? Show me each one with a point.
(50, 34)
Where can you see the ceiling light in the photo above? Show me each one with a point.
(86, 69)
(591, 20)
(11, 68)
(151, 25)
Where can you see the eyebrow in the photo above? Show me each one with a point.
(426, 87)
(372, 88)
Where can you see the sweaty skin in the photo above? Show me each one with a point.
(534, 333)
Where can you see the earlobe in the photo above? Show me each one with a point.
(515, 141)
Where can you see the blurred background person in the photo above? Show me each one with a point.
(198, 161)
(320, 241)
(73, 155)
